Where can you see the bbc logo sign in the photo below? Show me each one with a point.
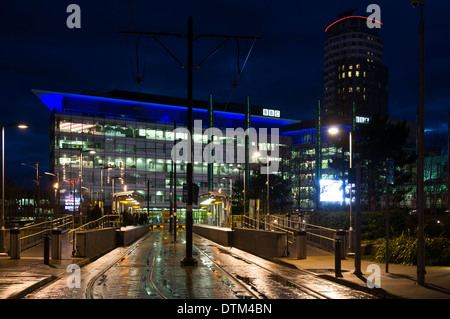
(271, 113)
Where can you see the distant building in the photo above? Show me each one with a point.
(132, 135)
(353, 69)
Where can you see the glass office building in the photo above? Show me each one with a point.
(121, 142)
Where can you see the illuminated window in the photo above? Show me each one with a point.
(358, 89)
(358, 66)
(350, 67)
(343, 75)
(357, 73)
(349, 74)
(350, 89)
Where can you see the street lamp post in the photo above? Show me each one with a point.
(420, 149)
(2, 218)
(58, 188)
(113, 204)
(229, 200)
(81, 177)
(334, 131)
(36, 167)
(257, 155)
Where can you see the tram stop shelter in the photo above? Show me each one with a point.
(127, 201)
(215, 208)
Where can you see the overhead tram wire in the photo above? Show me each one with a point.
(240, 70)
(189, 260)
(137, 76)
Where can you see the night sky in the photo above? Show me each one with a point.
(283, 70)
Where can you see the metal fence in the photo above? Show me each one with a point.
(321, 237)
(34, 234)
(106, 221)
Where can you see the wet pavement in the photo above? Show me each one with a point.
(399, 282)
(151, 269)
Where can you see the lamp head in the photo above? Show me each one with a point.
(415, 3)
(333, 130)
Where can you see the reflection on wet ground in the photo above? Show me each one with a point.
(152, 270)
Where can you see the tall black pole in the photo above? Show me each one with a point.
(420, 157)
(174, 191)
(386, 253)
(171, 199)
(189, 260)
(318, 152)
(148, 203)
(358, 223)
(448, 160)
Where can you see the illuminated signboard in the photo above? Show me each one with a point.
(271, 113)
(330, 190)
(362, 119)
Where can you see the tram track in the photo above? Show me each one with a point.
(159, 291)
(236, 282)
(91, 284)
(271, 274)
(235, 274)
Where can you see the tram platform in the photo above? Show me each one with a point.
(18, 277)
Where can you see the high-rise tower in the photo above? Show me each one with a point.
(353, 69)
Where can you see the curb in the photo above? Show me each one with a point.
(27, 290)
(22, 293)
(377, 292)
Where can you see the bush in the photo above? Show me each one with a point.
(403, 250)
(373, 224)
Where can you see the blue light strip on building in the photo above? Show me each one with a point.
(54, 100)
(313, 129)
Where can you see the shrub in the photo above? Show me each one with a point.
(403, 250)
(373, 224)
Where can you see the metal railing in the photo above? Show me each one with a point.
(320, 236)
(32, 234)
(105, 221)
(256, 224)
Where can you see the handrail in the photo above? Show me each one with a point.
(288, 232)
(50, 222)
(321, 236)
(100, 222)
(307, 225)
